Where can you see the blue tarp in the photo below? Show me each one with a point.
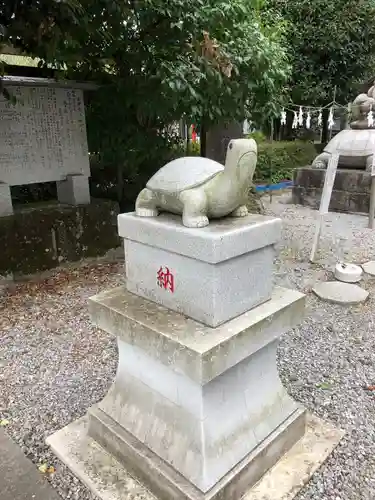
(274, 187)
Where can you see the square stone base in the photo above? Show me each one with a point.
(201, 399)
(210, 274)
(164, 481)
(109, 480)
(74, 190)
(41, 236)
(351, 190)
(6, 206)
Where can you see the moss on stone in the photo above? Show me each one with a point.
(41, 236)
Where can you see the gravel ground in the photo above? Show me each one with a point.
(54, 364)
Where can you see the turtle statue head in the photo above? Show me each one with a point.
(201, 189)
(240, 156)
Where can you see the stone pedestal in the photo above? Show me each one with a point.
(212, 274)
(196, 412)
(6, 206)
(203, 400)
(74, 190)
(351, 190)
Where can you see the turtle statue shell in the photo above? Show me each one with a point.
(352, 143)
(184, 173)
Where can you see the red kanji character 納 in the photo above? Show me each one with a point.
(165, 279)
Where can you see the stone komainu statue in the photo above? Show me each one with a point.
(356, 145)
(362, 105)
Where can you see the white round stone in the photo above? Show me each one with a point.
(340, 293)
(349, 273)
(369, 267)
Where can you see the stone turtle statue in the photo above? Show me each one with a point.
(355, 148)
(201, 189)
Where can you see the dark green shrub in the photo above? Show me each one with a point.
(278, 160)
(194, 149)
(122, 183)
(319, 147)
(258, 136)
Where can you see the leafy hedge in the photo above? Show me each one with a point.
(278, 160)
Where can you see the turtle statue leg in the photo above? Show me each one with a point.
(146, 204)
(194, 212)
(321, 161)
(240, 211)
(369, 161)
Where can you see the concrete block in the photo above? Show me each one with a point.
(210, 274)
(369, 267)
(48, 234)
(6, 206)
(74, 190)
(351, 191)
(340, 293)
(186, 346)
(202, 441)
(108, 479)
(199, 398)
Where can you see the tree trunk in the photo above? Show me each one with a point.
(120, 185)
(203, 138)
(325, 131)
(218, 138)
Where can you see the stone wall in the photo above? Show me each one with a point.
(351, 191)
(42, 236)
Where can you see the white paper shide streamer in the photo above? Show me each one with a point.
(295, 120)
(304, 116)
(308, 120)
(300, 117)
(320, 118)
(331, 121)
(283, 117)
(370, 118)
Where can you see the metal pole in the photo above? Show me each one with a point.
(372, 205)
(271, 140)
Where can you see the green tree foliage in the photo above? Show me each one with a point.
(331, 43)
(39, 27)
(156, 61)
(171, 57)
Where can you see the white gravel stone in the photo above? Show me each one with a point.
(340, 293)
(55, 364)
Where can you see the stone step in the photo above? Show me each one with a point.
(19, 477)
